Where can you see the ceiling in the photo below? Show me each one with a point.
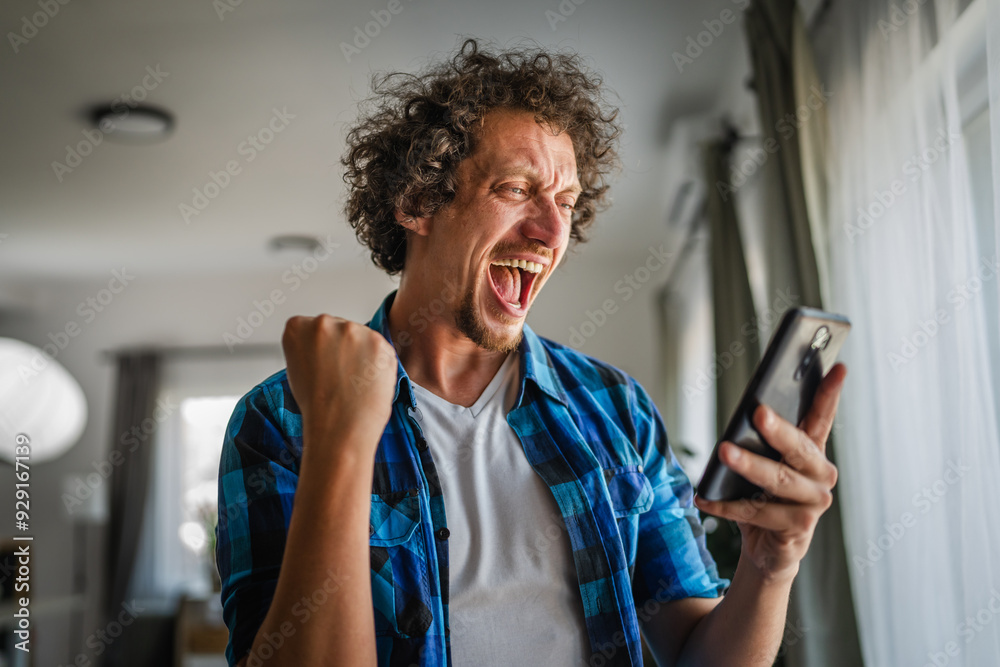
(227, 66)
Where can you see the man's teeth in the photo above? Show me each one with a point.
(530, 267)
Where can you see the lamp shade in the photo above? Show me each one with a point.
(39, 398)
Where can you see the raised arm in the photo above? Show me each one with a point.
(322, 610)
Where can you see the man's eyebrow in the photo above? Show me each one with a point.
(526, 169)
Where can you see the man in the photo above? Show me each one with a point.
(465, 491)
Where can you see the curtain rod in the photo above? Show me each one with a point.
(198, 351)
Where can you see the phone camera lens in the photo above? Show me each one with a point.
(821, 339)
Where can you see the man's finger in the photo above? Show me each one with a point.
(761, 511)
(819, 421)
(795, 446)
(776, 478)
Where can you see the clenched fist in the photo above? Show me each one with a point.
(342, 375)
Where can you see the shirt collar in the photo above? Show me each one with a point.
(536, 365)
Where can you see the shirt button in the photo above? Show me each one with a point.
(447, 632)
(421, 444)
(443, 533)
(371, 530)
(411, 492)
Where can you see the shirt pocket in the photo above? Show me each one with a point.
(398, 558)
(631, 494)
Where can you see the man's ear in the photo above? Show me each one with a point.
(419, 226)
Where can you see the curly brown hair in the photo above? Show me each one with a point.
(404, 152)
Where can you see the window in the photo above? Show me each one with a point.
(177, 544)
(203, 423)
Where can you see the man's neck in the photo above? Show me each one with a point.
(435, 354)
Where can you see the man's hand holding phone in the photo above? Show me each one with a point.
(778, 523)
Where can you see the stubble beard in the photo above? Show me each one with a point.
(469, 322)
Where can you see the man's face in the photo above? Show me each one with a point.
(507, 228)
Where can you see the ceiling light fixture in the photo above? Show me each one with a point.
(294, 242)
(132, 124)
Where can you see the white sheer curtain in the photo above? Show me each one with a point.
(913, 263)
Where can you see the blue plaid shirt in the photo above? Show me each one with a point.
(590, 432)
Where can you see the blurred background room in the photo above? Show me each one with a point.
(171, 193)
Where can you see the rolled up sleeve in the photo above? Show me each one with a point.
(672, 558)
(258, 474)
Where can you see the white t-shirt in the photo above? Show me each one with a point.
(515, 599)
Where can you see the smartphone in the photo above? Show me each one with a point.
(801, 352)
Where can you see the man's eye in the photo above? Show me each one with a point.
(568, 205)
(517, 191)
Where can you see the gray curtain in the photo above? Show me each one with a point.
(732, 301)
(732, 308)
(669, 361)
(822, 623)
(769, 25)
(137, 386)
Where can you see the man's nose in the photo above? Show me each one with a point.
(548, 223)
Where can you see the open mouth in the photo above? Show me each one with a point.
(512, 279)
